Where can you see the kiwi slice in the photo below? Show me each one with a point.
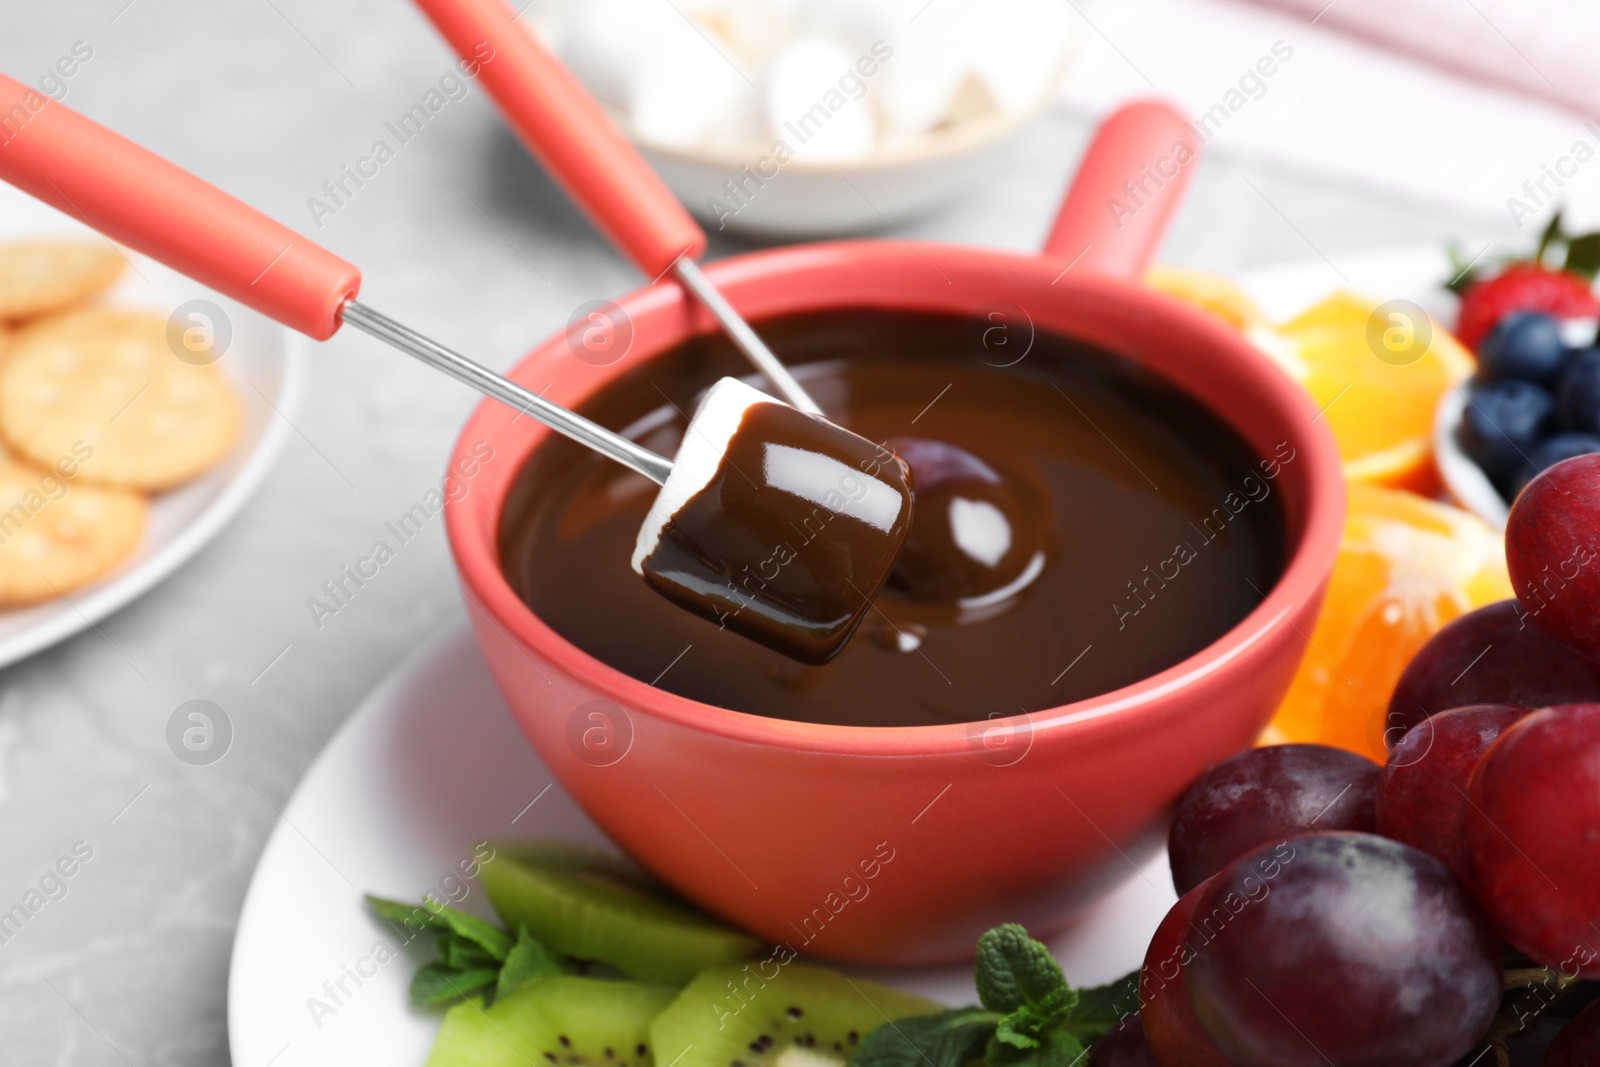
(595, 905)
(801, 1017)
(561, 1021)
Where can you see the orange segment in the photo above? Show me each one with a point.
(1215, 293)
(1380, 412)
(1406, 567)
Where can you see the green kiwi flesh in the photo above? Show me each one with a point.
(595, 905)
(561, 1021)
(801, 1016)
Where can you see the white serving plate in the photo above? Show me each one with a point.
(266, 365)
(429, 764)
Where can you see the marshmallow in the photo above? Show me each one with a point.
(817, 104)
(775, 524)
(606, 41)
(918, 83)
(1018, 48)
(685, 95)
(715, 422)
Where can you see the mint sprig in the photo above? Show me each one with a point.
(1030, 1016)
(474, 955)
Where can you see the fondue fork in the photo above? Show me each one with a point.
(133, 196)
(565, 127)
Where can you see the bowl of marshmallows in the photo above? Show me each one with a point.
(796, 118)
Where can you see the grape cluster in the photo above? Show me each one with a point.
(1430, 911)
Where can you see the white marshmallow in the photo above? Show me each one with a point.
(685, 95)
(755, 30)
(705, 440)
(606, 41)
(918, 83)
(1018, 48)
(807, 108)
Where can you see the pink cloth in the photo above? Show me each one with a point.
(1544, 48)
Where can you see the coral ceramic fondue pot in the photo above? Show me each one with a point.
(902, 844)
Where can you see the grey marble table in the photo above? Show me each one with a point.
(461, 232)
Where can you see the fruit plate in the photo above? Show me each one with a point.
(429, 764)
(266, 365)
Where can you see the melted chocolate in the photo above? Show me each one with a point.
(791, 538)
(975, 534)
(1159, 528)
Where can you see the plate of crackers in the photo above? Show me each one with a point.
(138, 412)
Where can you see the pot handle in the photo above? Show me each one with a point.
(1126, 190)
(132, 195)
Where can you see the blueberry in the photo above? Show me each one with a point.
(1553, 450)
(1578, 394)
(1525, 345)
(1502, 422)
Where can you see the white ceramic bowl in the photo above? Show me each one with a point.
(818, 198)
(815, 199)
(1464, 479)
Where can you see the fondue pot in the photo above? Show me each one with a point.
(874, 844)
(888, 844)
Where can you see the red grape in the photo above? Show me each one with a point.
(1262, 796)
(1341, 948)
(1124, 1047)
(1578, 1043)
(1168, 1018)
(1423, 786)
(1490, 656)
(1533, 836)
(1553, 551)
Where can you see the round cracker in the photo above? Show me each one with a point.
(57, 535)
(105, 379)
(39, 278)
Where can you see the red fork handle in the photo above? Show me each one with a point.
(132, 195)
(1126, 191)
(570, 133)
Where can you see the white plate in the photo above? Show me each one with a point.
(266, 364)
(429, 764)
(432, 762)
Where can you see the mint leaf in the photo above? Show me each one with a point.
(1100, 1009)
(951, 1038)
(435, 984)
(1063, 1050)
(1059, 1048)
(1015, 971)
(1583, 255)
(491, 938)
(415, 917)
(432, 916)
(462, 954)
(1020, 1029)
(528, 959)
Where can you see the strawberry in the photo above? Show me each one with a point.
(1530, 284)
(1522, 287)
